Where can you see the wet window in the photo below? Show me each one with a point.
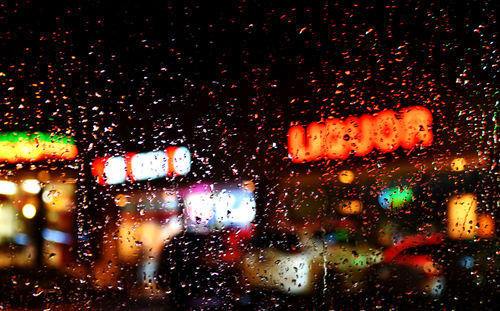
(249, 156)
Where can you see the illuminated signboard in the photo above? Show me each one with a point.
(29, 147)
(142, 166)
(219, 206)
(336, 139)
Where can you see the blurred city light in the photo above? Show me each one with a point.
(142, 166)
(8, 221)
(384, 198)
(436, 286)
(56, 236)
(115, 170)
(467, 262)
(400, 196)
(29, 211)
(336, 138)
(31, 186)
(199, 207)
(22, 146)
(181, 160)
(350, 207)
(458, 164)
(148, 165)
(462, 217)
(248, 185)
(21, 238)
(193, 125)
(346, 176)
(7, 187)
(485, 226)
(395, 197)
(121, 200)
(226, 206)
(290, 273)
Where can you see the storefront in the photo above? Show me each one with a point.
(356, 186)
(153, 201)
(143, 213)
(37, 193)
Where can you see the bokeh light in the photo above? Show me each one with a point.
(458, 164)
(395, 198)
(346, 176)
(350, 207)
(29, 211)
(462, 217)
(31, 186)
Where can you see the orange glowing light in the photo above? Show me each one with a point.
(351, 207)
(335, 143)
(416, 125)
(128, 162)
(386, 132)
(358, 130)
(310, 148)
(248, 186)
(121, 200)
(346, 176)
(462, 217)
(336, 139)
(128, 243)
(486, 226)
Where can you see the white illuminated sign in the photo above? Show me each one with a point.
(200, 207)
(142, 166)
(149, 165)
(115, 170)
(231, 206)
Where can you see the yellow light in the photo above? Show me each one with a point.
(150, 234)
(29, 210)
(458, 164)
(21, 147)
(31, 186)
(7, 187)
(346, 177)
(128, 243)
(58, 196)
(462, 216)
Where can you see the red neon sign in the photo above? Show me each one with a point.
(336, 139)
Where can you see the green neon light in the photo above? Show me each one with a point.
(16, 137)
(400, 196)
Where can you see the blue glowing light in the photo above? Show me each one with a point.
(21, 239)
(384, 198)
(467, 262)
(56, 236)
